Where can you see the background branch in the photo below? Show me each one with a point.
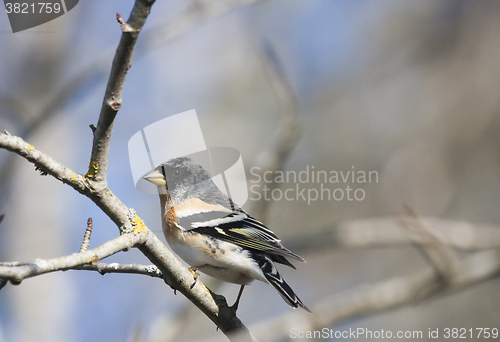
(287, 134)
(385, 295)
(198, 11)
(440, 255)
(388, 232)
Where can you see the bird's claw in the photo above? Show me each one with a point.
(195, 274)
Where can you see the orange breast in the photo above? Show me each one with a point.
(169, 218)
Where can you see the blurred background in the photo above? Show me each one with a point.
(408, 89)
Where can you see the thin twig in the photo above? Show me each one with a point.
(86, 236)
(17, 272)
(103, 268)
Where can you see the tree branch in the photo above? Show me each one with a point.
(45, 164)
(94, 186)
(103, 268)
(86, 236)
(104, 198)
(113, 95)
(17, 272)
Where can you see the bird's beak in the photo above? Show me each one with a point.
(156, 178)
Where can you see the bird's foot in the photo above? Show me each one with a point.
(193, 271)
(195, 274)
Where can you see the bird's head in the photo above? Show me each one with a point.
(181, 177)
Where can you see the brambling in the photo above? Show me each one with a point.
(214, 235)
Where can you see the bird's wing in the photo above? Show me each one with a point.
(216, 215)
(242, 230)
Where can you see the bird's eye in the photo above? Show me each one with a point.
(177, 173)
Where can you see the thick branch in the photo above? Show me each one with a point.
(43, 163)
(104, 198)
(177, 276)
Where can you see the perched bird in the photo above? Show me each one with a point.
(213, 234)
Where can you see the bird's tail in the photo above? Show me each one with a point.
(276, 280)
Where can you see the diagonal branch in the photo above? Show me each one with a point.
(104, 198)
(43, 163)
(113, 95)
